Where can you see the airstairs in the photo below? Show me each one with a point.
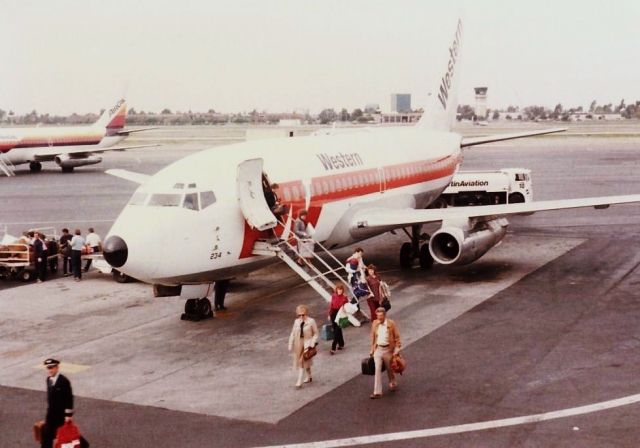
(323, 272)
(6, 166)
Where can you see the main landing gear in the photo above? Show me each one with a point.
(35, 166)
(417, 248)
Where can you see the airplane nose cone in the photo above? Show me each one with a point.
(115, 251)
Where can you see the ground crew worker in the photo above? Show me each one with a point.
(77, 242)
(41, 253)
(59, 402)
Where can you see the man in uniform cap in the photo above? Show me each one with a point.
(59, 402)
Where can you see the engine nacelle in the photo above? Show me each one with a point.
(65, 161)
(455, 246)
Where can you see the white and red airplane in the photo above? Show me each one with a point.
(196, 221)
(68, 146)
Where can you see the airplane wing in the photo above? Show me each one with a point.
(132, 176)
(132, 130)
(394, 218)
(49, 153)
(472, 141)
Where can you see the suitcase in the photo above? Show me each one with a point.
(326, 332)
(368, 366)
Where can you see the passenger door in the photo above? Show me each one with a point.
(251, 196)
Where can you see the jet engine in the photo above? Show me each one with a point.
(455, 245)
(67, 162)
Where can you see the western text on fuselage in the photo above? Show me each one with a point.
(340, 160)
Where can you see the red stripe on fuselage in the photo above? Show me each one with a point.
(336, 187)
(32, 143)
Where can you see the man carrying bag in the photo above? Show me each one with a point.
(385, 342)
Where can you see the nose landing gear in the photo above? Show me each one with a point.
(412, 250)
(197, 309)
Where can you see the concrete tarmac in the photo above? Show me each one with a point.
(546, 321)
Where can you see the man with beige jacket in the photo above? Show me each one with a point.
(385, 342)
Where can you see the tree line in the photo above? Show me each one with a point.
(167, 117)
(559, 112)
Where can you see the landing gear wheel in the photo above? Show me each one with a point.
(197, 309)
(426, 260)
(191, 306)
(67, 169)
(406, 256)
(35, 166)
(120, 277)
(204, 308)
(516, 198)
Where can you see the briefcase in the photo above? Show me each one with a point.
(326, 332)
(38, 427)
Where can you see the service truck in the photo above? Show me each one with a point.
(504, 186)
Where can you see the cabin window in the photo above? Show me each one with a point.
(165, 200)
(287, 194)
(190, 201)
(339, 184)
(325, 187)
(138, 198)
(207, 198)
(296, 192)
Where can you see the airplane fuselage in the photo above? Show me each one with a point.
(20, 145)
(332, 177)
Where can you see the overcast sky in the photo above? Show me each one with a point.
(68, 56)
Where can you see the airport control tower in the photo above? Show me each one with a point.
(481, 102)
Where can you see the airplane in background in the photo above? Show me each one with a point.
(206, 218)
(68, 146)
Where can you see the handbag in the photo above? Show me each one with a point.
(37, 430)
(386, 304)
(309, 353)
(398, 363)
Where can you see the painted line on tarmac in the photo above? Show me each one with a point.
(468, 427)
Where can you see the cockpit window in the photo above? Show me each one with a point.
(165, 200)
(138, 198)
(192, 185)
(178, 186)
(190, 201)
(207, 198)
(520, 177)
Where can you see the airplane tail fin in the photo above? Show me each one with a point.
(113, 119)
(441, 108)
